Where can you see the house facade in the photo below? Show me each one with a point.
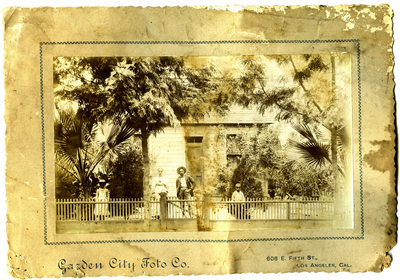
(203, 147)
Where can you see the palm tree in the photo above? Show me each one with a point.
(80, 149)
(315, 147)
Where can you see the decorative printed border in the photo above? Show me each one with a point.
(201, 43)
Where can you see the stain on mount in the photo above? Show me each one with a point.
(381, 160)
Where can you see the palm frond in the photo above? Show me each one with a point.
(69, 133)
(344, 139)
(112, 139)
(72, 138)
(66, 160)
(305, 131)
(313, 154)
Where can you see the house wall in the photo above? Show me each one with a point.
(168, 151)
(168, 148)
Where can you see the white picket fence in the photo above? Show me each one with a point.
(130, 209)
(183, 209)
(270, 209)
(90, 210)
(123, 209)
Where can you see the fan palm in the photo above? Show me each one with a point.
(314, 151)
(76, 150)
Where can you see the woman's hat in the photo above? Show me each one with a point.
(179, 168)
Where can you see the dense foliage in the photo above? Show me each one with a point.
(259, 155)
(262, 158)
(316, 98)
(126, 174)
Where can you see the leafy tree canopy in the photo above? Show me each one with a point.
(154, 92)
(143, 94)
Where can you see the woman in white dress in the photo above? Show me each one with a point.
(159, 185)
(102, 195)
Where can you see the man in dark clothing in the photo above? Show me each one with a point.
(184, 188)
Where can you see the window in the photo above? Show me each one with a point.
(194, 139)
(233, 154)
(232, 144)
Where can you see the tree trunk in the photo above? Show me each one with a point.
(334, 134)
(334, 159)
(146, 174)
(146, 162)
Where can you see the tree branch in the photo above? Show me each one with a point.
(286, 109)
(302, 86)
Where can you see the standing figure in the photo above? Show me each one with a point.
(184, 189)
(159, 185)
(102, 195)
(238, 196)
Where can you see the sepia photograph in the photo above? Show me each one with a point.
(202, 143)
(195, 139)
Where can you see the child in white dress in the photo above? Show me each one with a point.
(102, 195)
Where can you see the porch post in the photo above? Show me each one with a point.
(163, 210)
